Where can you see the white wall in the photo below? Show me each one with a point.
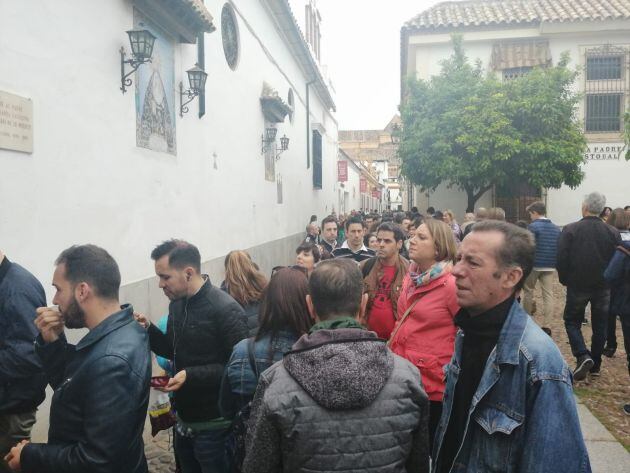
(88, 182)
(610, 177)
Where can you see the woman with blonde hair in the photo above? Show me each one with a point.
(245, 283)
(449, 219)
(425, 331)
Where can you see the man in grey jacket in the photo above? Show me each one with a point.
(340, 400)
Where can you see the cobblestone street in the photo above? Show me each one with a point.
(159, 451)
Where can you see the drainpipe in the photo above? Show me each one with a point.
(308, 124)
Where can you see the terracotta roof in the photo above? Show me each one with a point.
(448, 15)
(202, 13)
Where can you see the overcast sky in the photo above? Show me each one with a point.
(361, 47)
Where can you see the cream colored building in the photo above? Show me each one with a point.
(377, 150)
(510, 37)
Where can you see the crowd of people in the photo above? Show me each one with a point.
(396, 342)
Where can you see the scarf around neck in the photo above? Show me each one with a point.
(335, 323)
(435, 271)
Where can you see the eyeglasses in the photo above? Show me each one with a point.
(301, 269)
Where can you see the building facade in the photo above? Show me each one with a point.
(90, 156)
(510, 38)
(377, 150)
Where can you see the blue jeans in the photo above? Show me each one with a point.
(205, 452)
(574, 316)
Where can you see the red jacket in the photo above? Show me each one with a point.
(427, 336)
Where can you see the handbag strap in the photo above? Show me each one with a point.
(250, 355)
(403, 318)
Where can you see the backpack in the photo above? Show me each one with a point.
(367, 267)
(236, 444)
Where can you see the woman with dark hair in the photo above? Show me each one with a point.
(307, 256)
(284, 318)
(245, 283)
(605, 214)
(370, 241)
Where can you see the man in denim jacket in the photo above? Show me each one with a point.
(508, 404)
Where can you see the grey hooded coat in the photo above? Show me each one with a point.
(339, 401)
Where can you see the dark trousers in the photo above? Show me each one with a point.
(435, 412)
(574, 316)
(205, 452)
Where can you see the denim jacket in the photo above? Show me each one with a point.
(523, 416)
(239, 381)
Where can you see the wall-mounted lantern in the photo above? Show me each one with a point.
(141, 51)
(268, 139)
(197, 80)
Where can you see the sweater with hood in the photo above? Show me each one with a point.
(339, 401)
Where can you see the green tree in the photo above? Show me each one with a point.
(472, 131)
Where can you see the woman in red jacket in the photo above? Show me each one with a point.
(425, 332)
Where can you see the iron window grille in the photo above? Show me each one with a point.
(515, 72)
(317, 160)
(606, 87)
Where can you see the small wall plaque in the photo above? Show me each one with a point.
(16, 122)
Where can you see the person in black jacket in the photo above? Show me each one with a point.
(204, 324)
(101, 385)
(22, 381)
(584, 250)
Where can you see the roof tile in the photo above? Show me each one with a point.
(452, 14)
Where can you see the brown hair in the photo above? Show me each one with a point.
(243, 281)
(445, 244)
(283, 305)
(496, 213)
(517, 249)
(619, 218)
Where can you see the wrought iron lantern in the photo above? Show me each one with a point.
(197, 81)
(284, 143)
(142, 42)
(268, 138)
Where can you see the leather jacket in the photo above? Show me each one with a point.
(100, 401)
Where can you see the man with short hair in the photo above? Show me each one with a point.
(584, 251)
(382, 280)
(204, 323)
(312, 233)
(481, 214)
(329, 233)
(22, 380)
(508, 404)
(353, 247)
(369, 220)
(101, 385)
(340, 400)
(546, 235)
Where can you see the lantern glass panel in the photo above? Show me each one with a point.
(284, 143)
(197, 79)
(141, 44)
(271, 134)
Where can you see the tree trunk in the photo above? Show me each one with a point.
(470, 206)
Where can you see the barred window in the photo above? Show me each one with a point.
(606, 88)
(603, 112)
(515, 72)
(317, 160)
(604, 68)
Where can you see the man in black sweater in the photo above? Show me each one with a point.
(508, 389)
(584, 250)
(204, 324)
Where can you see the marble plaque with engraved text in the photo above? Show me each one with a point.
(16, 122)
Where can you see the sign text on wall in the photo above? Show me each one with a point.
(604, 151)
(16, 123)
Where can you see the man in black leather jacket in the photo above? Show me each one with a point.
(204, 324)
(101, 385)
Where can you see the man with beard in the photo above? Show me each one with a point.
(204, 324)
(101, 385)
(382, 279)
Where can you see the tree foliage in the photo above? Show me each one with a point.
(467, 129)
